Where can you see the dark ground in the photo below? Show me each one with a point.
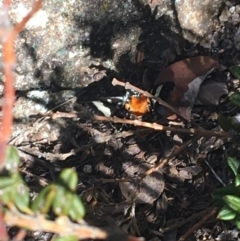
(172, 199)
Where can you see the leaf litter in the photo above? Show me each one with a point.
(150, 188)
(192, 84)
(106, 153)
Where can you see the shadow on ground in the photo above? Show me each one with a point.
(111, 159)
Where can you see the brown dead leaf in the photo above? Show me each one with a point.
(151, 186)
(188, 75)
(185, 71)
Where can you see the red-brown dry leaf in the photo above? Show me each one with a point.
(184, 72)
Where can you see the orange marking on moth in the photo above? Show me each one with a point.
(138, 105)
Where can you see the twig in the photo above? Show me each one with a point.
(20, 236)
(59, 114)
(8, 36)
(62, 226)
(209, 214)
(178, 224)
(42, 181)
(158, 127)
(7, 3)
(104, 180)
(19, 27)
(28, 158)
(3, 231)
(164, 161)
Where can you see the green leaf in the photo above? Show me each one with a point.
(12, 159)
(230, 123)
(69, 178)
(6, 182)
(49, 200)
(22, 198)
(235, 98)
(73, 181)
(77, 210)
(39, 201)
(233, 202)
(66, 238)
(235, 70)
(61, 202)
(234, 164)
(237, 222)
(226, 213)
(224, 122)
(237, 180)
(8, 195)
(219, 193)
(67, 204)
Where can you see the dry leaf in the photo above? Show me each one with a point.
(184, 72)
(151, 187)
(189, 97)
(210, 92)
(189, 172)
(188, 75)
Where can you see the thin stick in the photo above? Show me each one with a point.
(104, 180)
(8, 36)
(180, 223)
(198, 225)
(20, 236)
(158, 127)
(62, 226)
(3, 232)
(164, 161)
(18, 28)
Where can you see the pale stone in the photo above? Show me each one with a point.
(194, 16)
(224, 15)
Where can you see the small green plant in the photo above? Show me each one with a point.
(59, 197)
(228, 198)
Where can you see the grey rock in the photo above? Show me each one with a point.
(224, 15)
(237, 9)
(235, 18)
(237, 39)
(60, 37)
(194, 16)
(232, 9)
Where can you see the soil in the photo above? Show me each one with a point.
(69, 60)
